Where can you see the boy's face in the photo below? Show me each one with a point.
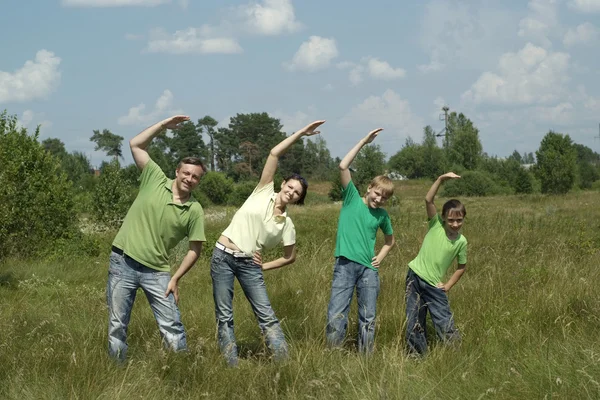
(453, 221)
(375, 197)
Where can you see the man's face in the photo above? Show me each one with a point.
(188, 177)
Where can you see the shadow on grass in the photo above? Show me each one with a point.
(9, 280)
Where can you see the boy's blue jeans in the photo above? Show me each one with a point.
(125, 276)
(420, 298)
(224, 268)
(346, 276)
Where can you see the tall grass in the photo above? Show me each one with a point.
(527, 307)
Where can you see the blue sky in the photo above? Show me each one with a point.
(516, 68)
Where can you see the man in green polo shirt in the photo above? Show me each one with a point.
(163, 213)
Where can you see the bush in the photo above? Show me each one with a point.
(241, 192)
(216, 186)
(36, 198)
(112, 196)
(474, 183)
(335, 193)
(523, 182)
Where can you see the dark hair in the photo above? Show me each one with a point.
(303, 183)
(192, 161)
(454, 205)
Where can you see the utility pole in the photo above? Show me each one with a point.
(444, 117)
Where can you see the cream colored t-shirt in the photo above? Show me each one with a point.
(254, 227)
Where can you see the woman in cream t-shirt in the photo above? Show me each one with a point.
(261, 223)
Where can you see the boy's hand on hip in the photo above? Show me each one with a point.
(375, 262)
(173, 288)
(442, 286)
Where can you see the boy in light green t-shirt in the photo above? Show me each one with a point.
(425, 289)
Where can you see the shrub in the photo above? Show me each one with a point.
(36, 198)
(216, 186)
(474, 183)
(241, 192)
(112, 196)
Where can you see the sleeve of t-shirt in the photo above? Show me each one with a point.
(386, 225)
(151, 174)
(462, 254)
(196, 225)
(268, 187)
(436, 220)
(289, 232)
(349, 193)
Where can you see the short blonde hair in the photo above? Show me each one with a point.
(384, 183)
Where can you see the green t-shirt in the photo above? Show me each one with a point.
(437, 253)
(357, 228)
(155, 224)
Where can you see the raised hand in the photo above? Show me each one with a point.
(309, 129)
(449, 175)
(173, 122)
(372, 135)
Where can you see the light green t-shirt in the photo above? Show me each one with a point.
(254, 227)
(155, 224)
(357, 228)
(437, 253)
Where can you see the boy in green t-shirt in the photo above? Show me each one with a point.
(356, 264)
(425, 290)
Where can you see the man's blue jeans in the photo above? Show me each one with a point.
(224, 268)
(125, 276)
(420, 298)
(346, 276)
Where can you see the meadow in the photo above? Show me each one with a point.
(527, 307)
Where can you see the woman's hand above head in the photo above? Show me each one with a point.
(174, 121)
(309, 130)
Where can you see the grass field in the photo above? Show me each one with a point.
(527, 307)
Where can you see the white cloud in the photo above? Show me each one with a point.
(292, 122)
(272, 17)
(388, 111)
(542, 23)
(439, 102)
(35, 80)
(585, 33)
(355, 75)
(314, 54)
(113, 3)
(585, 6)
(531, 76)
(328, 87)
(382, 70)
(31, 120)
(452, 31)
(138, 116)
(191, 41)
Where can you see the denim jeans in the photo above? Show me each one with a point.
(223, 268)
(420, 298)
(346, 276)
(125, 276)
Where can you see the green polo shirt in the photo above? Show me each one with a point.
(358, 226)
(155, 224)
(438, 252)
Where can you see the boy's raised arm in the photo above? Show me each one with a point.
(431, 210)
(348, 158)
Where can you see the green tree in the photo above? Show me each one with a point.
(557, 163)
(259, 129)
(516, 156)
(55, 147)
(187, 142)
(434, 160)
(409, 161)
(112, 195)
(36, 197)
(462, 143)
(369, 163)
(207, 125)
(108, 142)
